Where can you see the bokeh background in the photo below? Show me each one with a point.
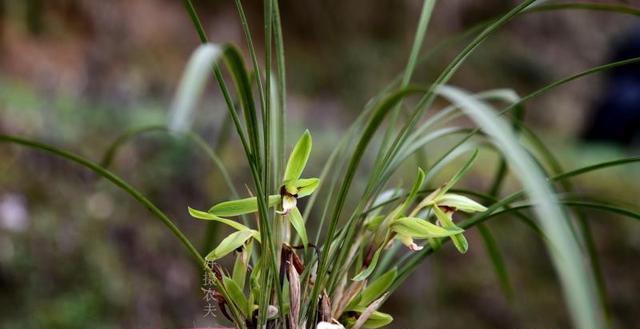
(77, 253)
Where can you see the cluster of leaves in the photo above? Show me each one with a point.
(342, 278)
(354, 304)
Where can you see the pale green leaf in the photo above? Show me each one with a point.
(377, 288)
(192, 85)
(298, 158)
(297, 221)
(232, 242)
(422, 229)
(458, 175)
(207, 216)
(458, 239)
(563, 246)
(372, 223)
(377, 319)
(306, 186)
(372, 266)
(460, 202)
(414, 191)
(254, 281)
(237, 296)
(240, 207)
(240, 267)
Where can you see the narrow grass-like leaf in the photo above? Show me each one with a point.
(496, 259)
(252, 52)
(414, 191)
(425, 133)
(494, 208)
(191, 86)
(117, 144)
(114, 179)
(444, 77)
(279, 89)
(566, 255)
(460, 173)
(419, 36)
(574, 203)
(616, 8)
(598, 166)
(119, 182)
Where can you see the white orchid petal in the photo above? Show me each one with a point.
(329, 325)
(288, 202)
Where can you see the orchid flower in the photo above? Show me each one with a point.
(293, 187)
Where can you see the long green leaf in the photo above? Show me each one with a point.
(237, 296)
(298, 158)
(422, 229)
(208, 216)
(372, 125)
(306, 186)
(240, 207)
(280, 104)
(566, 255)
(369, 270)
(616, 8)
(504, 202)
(458, 239)
(377, 288)
(497, 260)
(570, 203)
(296, 220)
(117, 181)
(232, 242)
(192, 85)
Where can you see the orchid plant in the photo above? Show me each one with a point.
(343, 278)
(351, 305)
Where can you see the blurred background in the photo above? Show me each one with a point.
(77, 253)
